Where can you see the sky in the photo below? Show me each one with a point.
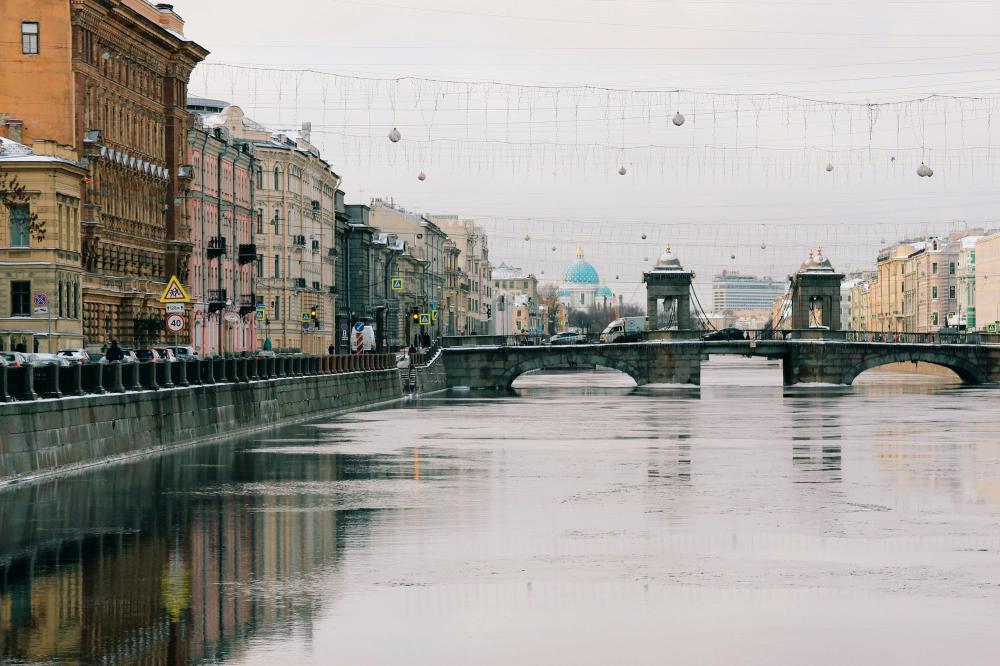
(521, 115)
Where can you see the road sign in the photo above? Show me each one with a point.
(40, 300)
(434, 315)
(260, 315)
(991, 328)
(175, 308)
(41, 310)
(174, 292)
(359, 327)
(305, 318)
(175, 323)
(425, 319)
(397, 284)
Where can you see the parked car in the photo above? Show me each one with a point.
(167, 354)
(129, 356)
(147, 355)
(184, 352)
(724, 334)
(75, 355)
(49, 359)
(14, 359)
(266, 353)
(568, 338)
(97, 357)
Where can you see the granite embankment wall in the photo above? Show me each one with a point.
(43, 437)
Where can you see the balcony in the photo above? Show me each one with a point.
(216, 299)
(248, 304)
(300, 283)
(299, 241)
(248, 253)
(216, 247)
(316, 287)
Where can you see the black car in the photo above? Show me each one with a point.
(724, 334)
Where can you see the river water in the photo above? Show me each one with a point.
(577, 521)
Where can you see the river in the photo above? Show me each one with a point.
(578, 520)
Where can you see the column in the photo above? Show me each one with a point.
(652, 313)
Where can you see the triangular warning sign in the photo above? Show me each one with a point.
(174, 293)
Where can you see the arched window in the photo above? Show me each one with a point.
(277, 225)
(260, 177)
(277, 177)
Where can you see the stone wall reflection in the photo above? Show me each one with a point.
(112, 568)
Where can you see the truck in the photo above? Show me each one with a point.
(625, 329)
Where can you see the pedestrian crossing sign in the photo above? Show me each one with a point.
(174, 292)
(425, 319)
(397, 284)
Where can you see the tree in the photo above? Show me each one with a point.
(14, 194)
(548, 297)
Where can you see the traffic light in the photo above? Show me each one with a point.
(416, 314)
(314, 316)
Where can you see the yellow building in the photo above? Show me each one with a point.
(109, 77)
(40, 269)
(987, 295)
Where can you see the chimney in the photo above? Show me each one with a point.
(14, 129)
(306, 132)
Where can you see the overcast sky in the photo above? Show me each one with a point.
(539, 165)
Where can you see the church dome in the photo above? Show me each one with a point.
(580, 271)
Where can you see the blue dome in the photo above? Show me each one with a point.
(580, 271)
(603, 292)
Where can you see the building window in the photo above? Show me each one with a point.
(277, 178)
(260, 265)
(20, 226)
(934, 319)
(29, 37)
(934, 268)
(20, 298)
(933, 292)
(260, 178)
(275, 222)
(277, 265)
(951, 292)
(260, 220)
(951, 268)
(277, 307)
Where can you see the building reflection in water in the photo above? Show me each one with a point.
(111, 568)
(816, 438)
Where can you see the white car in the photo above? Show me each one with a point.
(49, 359)
(13, 359)
(75, 355)
(568, 338)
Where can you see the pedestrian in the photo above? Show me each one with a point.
(329, 350)
(425, 341)
(115, 352)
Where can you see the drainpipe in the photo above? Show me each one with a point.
(203, 258)
(218, 224)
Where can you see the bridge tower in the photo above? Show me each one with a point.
(816, 294)
(669, 282)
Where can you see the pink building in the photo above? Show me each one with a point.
(220, 208)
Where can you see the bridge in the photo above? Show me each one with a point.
(679, 361)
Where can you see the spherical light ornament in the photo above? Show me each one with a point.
(644, 237)
(930, 172)
(829, 167)
(395, 136)
(678, 119)
(732, 256)
(763, 246)
(616, 277)
(527, 238)
(421, 176)
(621, 171)
(553, 248)
(924, 171)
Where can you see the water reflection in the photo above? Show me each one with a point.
(176, 559)
(577, 519)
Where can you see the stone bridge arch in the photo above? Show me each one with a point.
(968, 371)
(579, 356)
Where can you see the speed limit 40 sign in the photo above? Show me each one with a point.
(175, 323)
